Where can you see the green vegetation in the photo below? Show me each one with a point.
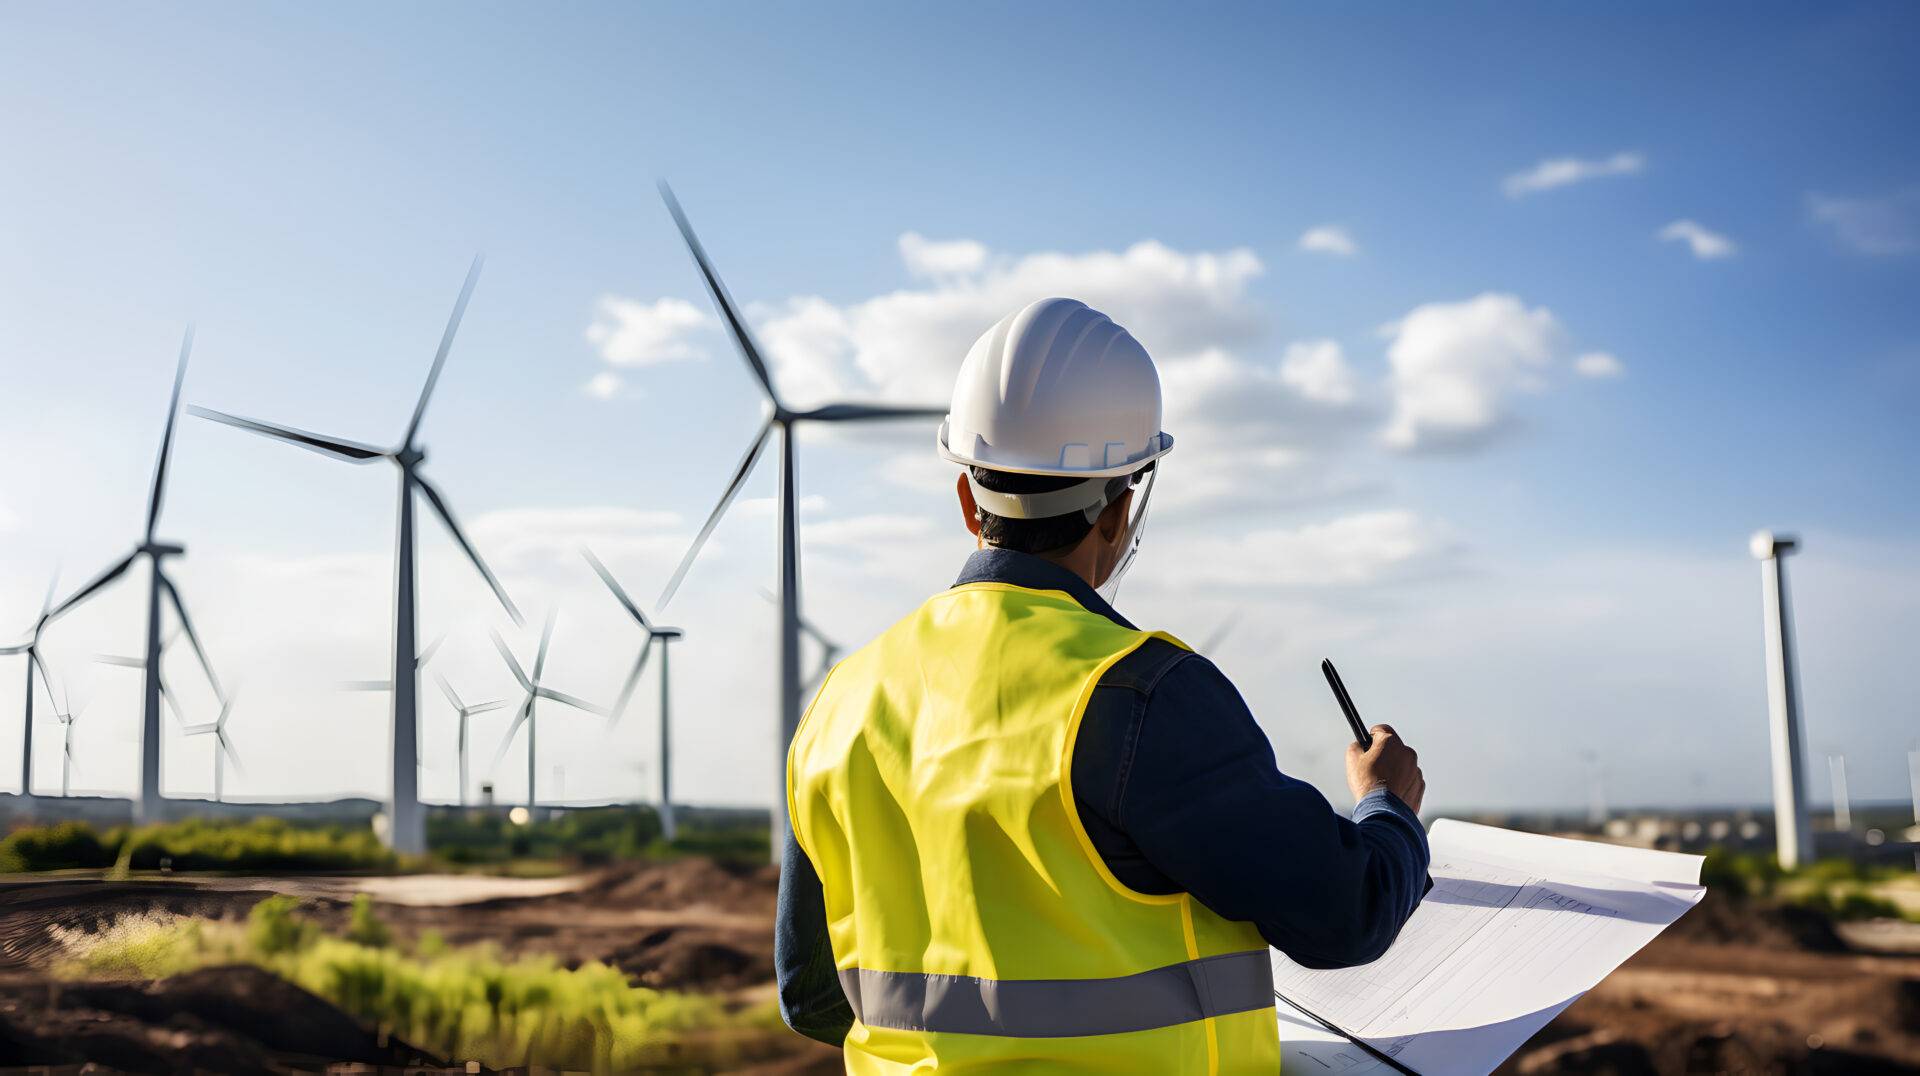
(260, 844)
(588, 836)
(459, 839)
(1836, 888)
(463, 1003)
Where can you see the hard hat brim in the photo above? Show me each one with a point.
(1162, 444)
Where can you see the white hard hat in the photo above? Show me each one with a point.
(1056, 388)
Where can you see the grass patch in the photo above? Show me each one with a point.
(465, 1003)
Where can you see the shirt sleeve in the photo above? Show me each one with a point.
(811, 1001)
(1205, 803)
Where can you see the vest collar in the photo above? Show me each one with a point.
(1014, 568)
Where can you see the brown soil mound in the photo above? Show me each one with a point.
(229, 1019)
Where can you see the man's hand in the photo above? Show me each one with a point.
(1388, 764)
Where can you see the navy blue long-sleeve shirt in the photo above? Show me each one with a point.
(1177, 788)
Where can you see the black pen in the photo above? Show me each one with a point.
(1360, 733)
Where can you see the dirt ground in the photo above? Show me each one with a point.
(1730, 988)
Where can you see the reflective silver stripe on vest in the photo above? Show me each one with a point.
(1056, 1008)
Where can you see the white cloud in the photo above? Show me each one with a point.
(1318, 370)
(1598, 364)
(1329, 239)
(927, 257)
(1563, 171)
(907, 344)
(1454, 365)
(1881, 226)
(1706, 245)
(632, 332)
(604, 385)
(1353, 550)
(533, 539)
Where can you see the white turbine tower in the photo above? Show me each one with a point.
(665, 636)
(66, 752)
(406, 820)
(535, 692)
(31, 648)
(147, 804)
(465, 711)
(787, 702)
(1842, 804)
(222, 747)
(1792, 835)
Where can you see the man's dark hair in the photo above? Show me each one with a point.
(1049, 535)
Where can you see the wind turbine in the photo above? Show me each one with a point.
(31, 648)
(66, 754)
(465, 712)
(407, 826)
(780, 415)
(222, 747)
(147, 805)
(535, 691)
(665, 636)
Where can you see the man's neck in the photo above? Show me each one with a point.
(1081, 560)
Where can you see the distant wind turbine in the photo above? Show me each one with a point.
(147, 805)
(665, 636)
(67, 718)
(407, 826)
(222, 747)
(465, 712)
(31, 648)
(778, 414)
(535, 691)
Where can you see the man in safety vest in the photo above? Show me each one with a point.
(1029, 836)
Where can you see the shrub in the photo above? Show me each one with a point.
(62, 846)
(273, 927)
(365, 928)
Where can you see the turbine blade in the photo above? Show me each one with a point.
(348, 451)
(739, 479)
(364, 685)
(1219, 634)
(574, 701)
(440, 509)
(46, 604)
(633, 680)
(742, 336)
(98, 582)
(485, 707)
(446, 345)
(506, 741)
(855, 412)
(546, 637)
(226, 745)
(186, 624)
(420, 662)
(448, 690)
(226, 710)
(17, 648)
(166, 438)
(173, 707)
(118, 659)
(512, 662)
(619, 592)
(197, 730)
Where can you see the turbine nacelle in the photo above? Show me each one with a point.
(157, 550)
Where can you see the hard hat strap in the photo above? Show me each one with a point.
(1088, 498)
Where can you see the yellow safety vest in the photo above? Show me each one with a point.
(974, 925)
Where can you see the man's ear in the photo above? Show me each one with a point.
(968, 509)
(1113, 518)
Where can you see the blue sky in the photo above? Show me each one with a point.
(1561, 570)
